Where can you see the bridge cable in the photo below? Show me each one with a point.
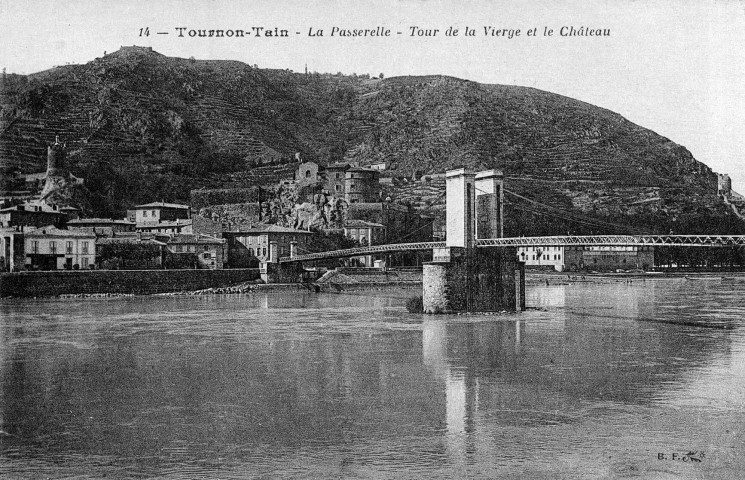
(575, 220)
(581, 218)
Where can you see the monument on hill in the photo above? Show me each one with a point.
(58, 175)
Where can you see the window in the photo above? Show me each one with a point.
(251, 252)
(179, 248)
(85, 262)
(307, 174)
(144, 213)
(338, 176)
(337, 187)
(207, 256)
(35, 246)
(153, 213)
(264, 251)
(68, 247)
(85, 247)
(53, 247)
(206, 247)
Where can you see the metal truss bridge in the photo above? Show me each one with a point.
(561, 241)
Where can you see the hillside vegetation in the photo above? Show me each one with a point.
(140, 126)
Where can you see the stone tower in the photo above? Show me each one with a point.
(57, 171)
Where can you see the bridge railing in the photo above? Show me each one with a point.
(560, 240)
(616, 240)
(359, 251)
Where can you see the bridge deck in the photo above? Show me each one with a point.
(561, 241)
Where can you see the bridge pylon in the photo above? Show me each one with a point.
(461, 277)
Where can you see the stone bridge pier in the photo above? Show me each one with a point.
(461, 277)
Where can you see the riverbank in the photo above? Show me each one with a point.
(118, 282)
(558, 278)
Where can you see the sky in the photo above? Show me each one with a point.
(675, 67)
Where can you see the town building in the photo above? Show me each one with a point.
(156, 212)
(35, 214)
(115, 225)
(51, 248)
(605, 258)
(11, 249)
(365, 233)
(548, 257)
(250, 246)
(166, 226)
(210, 252)
(609, 258)
(377, 166)
(71, 213)
(161, 217)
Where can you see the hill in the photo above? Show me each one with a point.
(141, 126)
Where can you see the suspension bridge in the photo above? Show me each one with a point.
(551, 241)
(476, 267)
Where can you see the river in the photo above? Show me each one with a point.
(591, 383)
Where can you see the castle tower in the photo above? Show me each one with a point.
(56, 165)
(724, 184)
(57, 172)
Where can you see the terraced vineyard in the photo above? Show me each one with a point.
(141, 126)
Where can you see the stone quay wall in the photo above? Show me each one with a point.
(138, 282)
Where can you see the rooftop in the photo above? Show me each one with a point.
(116, 240)
(195, 238)
(362, 224)
(268, 228)
(161, 205)
(166, 223)
(82, 221)
(32, 208)
(337, 165)
(52, 231)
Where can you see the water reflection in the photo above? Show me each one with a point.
(351, 385)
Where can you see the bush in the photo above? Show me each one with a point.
(415, 305)
(181, 261)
